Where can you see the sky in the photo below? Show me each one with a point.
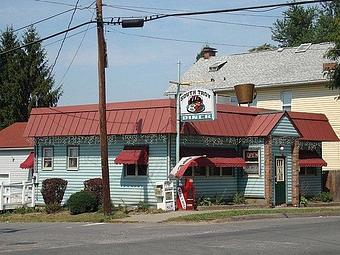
(139, 67)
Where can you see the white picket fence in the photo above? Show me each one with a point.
(15, 195)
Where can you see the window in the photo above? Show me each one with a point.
(214, 171)
(286, 100)
(200, 171)
(72, 157)
(136, 170)
(308, 171)
(252, 158)
(233, 101)
(220, 171)
(47, 158)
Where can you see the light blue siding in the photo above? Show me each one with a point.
(253, 187)
(124, 190)
(311, 185)
(284, 128)
(216, 187)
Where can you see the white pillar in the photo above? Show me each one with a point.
(2, 196)
(33, 195)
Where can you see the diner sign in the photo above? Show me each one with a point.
(198, 105)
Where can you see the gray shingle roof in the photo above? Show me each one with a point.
(267, 68)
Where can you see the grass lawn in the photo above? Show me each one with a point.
(241, 213)
(63, 216)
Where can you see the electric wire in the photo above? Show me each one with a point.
(150, 18)
(53, 16)
(191, 18)
(76, 52)
(180, 40)
(65, 35)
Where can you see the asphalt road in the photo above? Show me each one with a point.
(271, 236)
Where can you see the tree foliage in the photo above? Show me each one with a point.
(25, 77)
(263, 47)
(312, 25)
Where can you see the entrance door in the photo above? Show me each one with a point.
(280, 183)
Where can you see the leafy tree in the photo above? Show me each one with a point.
(263, 47)
(25, 77)
(296, 27)
(312, 24)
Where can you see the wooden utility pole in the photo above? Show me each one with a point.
(102, 109)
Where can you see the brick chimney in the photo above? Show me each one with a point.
(208, 52)
(329, 67)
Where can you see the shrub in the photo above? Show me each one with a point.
(52, 208)
(239, 198)
(81, 202)
(142, 206)
(53, 191)
(303, 201)
(324, 197)
(95, 186)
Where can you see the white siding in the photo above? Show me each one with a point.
(10, 161)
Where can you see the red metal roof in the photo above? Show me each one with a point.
(12, 136)
(313, 126)
(159, 117)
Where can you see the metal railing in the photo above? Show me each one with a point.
(15, 195)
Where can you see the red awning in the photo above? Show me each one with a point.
(311, 159)
(133, 155)
(182, 166)
(29, 161)
(219, 162)
(312, 162)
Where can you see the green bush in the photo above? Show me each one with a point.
(142, 206)
(239, 198)
(53, 191)
(95, 186)
(81, 202)
(324, 197)
(303, 201)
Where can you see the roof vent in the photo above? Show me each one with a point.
(280, 49)
(303, 47)
(217, 66)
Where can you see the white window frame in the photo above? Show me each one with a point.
(136, 171)
(285, 104)
(44, 158)
(248, 163)
(69, 148)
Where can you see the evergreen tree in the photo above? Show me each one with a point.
(25, 78)
(38, 89)
(9, 78)
(263, 47)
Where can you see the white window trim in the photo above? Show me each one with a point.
(44, 158)
(68, 158)
(136, 171)
(258, 162)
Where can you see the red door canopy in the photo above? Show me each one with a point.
(28, 162)
(133, 155)
(182, 166)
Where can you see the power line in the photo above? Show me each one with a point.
(199, 19)
(76, 53)
(135, 8)
(53, 16)
(149, 18)
(63, 41)
(181, 40)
